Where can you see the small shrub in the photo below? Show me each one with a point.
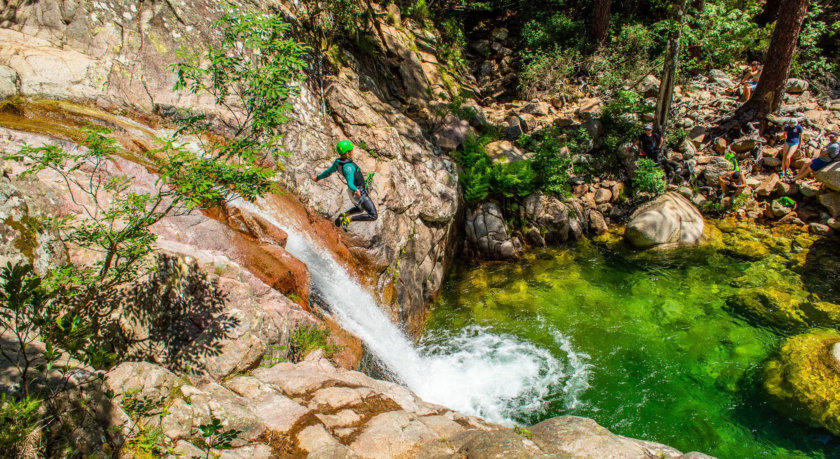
(18, 419)
(546, 72)
(650, 178)
(523, 432)
(306, 338)
(418, 11)
(544, 32)
(453, 42)
(215, 437)
(676, 137)
(620, 118)
(276, 354)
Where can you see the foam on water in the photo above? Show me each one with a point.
(474, 371)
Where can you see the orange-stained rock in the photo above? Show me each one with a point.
(279, 269)
(252, 226)
(351, 356)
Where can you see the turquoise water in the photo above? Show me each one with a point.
(651, 349)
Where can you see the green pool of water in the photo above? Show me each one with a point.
(662, 356)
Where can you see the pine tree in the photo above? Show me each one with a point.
(767, 96)
(600, 21)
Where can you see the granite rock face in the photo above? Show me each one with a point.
(117, 56)
(315, 409)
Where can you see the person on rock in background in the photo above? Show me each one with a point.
(826, 157)
(750, 80)
(357, 187)
(793, 134)
(734, 179)
(649, 144)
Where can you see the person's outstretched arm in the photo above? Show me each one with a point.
(333, 168)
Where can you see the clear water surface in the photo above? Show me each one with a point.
(648, 346)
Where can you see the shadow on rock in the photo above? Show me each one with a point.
(164, 316)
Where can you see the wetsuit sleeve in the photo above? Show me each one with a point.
(328, 172)
(349, 173)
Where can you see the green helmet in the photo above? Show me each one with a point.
(344, 147)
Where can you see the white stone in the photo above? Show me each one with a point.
(670, 219)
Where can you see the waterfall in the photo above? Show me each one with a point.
(474, 371)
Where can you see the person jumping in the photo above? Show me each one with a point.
(357, 187)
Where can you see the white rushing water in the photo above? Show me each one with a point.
(473, 371)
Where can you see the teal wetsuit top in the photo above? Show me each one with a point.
(349, 171)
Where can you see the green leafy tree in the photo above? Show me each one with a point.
(253, 73)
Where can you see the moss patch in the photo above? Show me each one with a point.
(804, 379)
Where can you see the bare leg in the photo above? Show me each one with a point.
(785, 160)
(806, 169)
(790, 153)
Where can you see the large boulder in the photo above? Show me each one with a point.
(649, 86)
(487, 233)
(831, 201)
(666, 221)
(716, 167)
(796, 85)
(830, 176)
(805, 378)
(504, 151)
(559, 221)
(572, 436)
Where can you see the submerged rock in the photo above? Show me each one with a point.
(669, 220)
(805, 378)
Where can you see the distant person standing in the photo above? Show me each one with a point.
(649, 144)
(793, 136)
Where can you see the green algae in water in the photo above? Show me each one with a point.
(666, 359)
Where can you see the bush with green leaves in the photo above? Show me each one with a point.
(649, 178)
(621, 119)
(482, 179)
(214, 437)
(18, 420)
(720, 36)
(452, 44)
(554, 149)
(336, 19)
(816, 59)
(253, 72)
(306, 338)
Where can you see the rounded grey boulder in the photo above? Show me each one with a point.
(666, 221)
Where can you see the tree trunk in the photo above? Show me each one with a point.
(601, 21)
(769, 13)
(669, 70)
(767, 96)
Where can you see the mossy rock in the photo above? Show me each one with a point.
(769, 306)
(783, 310)
(747, 249)
(805, 378)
